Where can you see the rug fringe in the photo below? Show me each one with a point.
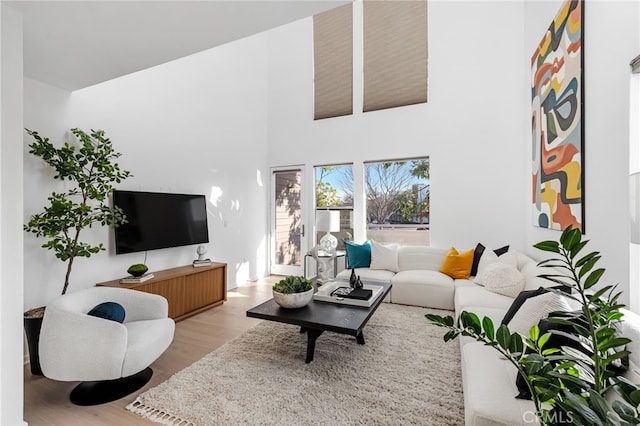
(155, 415)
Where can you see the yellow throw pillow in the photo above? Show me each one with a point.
(457, 265)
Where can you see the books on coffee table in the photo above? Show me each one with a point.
(338, 292)
(352, 293)
(360, 294)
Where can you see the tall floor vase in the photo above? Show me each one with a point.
(32, 326)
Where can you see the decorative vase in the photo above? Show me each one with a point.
(293, 300)
(32, 325)
(352, 278)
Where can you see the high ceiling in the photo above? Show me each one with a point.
(76, 44)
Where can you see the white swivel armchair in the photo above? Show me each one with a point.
(111, 359)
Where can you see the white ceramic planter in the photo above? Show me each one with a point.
(293, 300)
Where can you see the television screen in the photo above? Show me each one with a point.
(158, 220)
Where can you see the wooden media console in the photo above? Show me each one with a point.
(188, 290)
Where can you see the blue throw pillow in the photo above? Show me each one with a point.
(108, 310)
(358, 255)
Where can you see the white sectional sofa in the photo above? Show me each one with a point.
(489, 380)
(416, 280)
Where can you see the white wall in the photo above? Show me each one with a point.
(611, 40)
(11, 256)
(46, 110)
(188, 126)
(475, 126)
(207, 113)
(471, 127)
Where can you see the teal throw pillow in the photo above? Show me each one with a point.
(358, 255)
(108, 310)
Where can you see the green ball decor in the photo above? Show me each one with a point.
(138, 269)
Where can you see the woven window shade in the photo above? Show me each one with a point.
(395, 53)
(333, 62)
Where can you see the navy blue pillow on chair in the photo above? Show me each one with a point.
(108, 310)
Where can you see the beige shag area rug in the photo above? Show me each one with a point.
(405, 374)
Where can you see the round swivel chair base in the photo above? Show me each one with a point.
(103, 391)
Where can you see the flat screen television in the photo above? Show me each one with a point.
(157, 220)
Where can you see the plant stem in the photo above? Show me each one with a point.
(72, 256)
(592, 331)
(74, 246)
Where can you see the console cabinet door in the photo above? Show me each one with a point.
(173, 290)
(203, 289)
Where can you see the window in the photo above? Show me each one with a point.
(334, 191)
(397, 200)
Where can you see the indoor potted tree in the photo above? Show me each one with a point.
(90, 170)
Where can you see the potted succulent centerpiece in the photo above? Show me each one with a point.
(293, 292)
(89, 170)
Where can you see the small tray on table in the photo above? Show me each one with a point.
(325, 291)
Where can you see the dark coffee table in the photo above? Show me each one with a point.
(318, 317)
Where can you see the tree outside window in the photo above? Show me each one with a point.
(334, 191)
(397, 199)
(397, 194)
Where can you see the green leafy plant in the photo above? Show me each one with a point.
(91, 169)
(293, 284)
(566, 384)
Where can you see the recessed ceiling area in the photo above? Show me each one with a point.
(76, 44)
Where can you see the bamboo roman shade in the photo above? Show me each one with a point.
(333, 62)
(395, 53)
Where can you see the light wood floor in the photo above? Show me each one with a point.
(46, 402)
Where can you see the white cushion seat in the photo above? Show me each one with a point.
(366, 274)
(460, 282)
(475, 295)
(491, 380)
(145, 339)
(423, 288)
(420, 257)
(495, 314)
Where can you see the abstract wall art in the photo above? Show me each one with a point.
(557, 121)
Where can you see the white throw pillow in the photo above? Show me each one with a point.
(384, 256)
(501, 278)
(489, 258)
(536, 308)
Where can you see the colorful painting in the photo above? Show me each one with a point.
(557, 122)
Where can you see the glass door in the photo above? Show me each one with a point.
(288, 245)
